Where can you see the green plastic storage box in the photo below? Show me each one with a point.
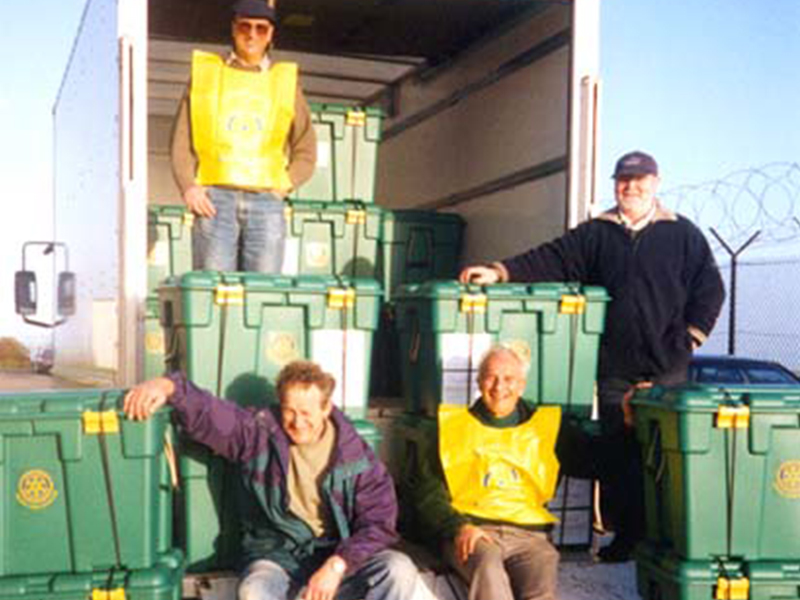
(665, 576)
(386, 377)
(80, 480)
(418, 246)
(347, 152)
(445, 328)
(169, 243)
(162, 581)
(371, 434)
(153, 340)
(332, 238)
(721, 470)
(207, 506)
(232, 333)
(411, 438)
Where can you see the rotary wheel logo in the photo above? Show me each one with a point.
(36, 490)
(787, 479)
(154, 342)
(281, 348)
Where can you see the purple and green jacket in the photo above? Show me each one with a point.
(357, 488)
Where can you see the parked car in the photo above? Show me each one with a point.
(735, 370)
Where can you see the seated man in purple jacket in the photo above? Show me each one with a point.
(325, 506)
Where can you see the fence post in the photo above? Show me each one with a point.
(734, 254)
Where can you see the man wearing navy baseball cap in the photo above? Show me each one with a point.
(666, 294)
(242, 140)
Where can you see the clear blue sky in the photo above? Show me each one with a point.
(37, 37)
(707, 86)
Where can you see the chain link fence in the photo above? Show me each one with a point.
(767, 320)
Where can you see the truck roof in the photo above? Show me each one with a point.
(432, 29)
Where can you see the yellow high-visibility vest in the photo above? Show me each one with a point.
(240, 122)
(504, 474)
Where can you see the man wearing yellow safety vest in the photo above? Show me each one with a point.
(484, 498)
(242, 140)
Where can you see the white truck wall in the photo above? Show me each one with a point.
(100, 169)
(455, 160)
(584, 111)
(500, 225)
(87, 172)
(162, 188)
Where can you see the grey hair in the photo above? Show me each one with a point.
(502, 350)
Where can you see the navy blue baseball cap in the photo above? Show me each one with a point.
(635, 164)
(254, 9)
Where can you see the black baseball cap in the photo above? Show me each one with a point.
(254, 9)
(635, 164)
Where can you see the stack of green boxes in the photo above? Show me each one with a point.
(722, 493)
(416, 246)
(233, 332)
(169, 252)
(347, 152)
(87, 506)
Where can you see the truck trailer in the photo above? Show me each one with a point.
(490, 113)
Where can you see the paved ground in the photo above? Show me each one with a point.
(578, 580)
(586, 580)
(25, 380)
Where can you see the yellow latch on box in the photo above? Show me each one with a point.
(733, 417)
(572, 304)
(474, 303)
(229, 294)
(356, 118)
(732, 589)
(95, 422)
(117, 594)
(341, 298)
(188, 219)
(356, 217)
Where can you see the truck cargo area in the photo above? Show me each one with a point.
(489, 114)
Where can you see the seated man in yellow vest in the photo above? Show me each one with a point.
(484, 498)
(242, 140)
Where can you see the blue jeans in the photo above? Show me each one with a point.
(388, 575)
(248, 225)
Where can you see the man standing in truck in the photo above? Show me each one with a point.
(666, 294)
(242, 140)
(322, 507)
